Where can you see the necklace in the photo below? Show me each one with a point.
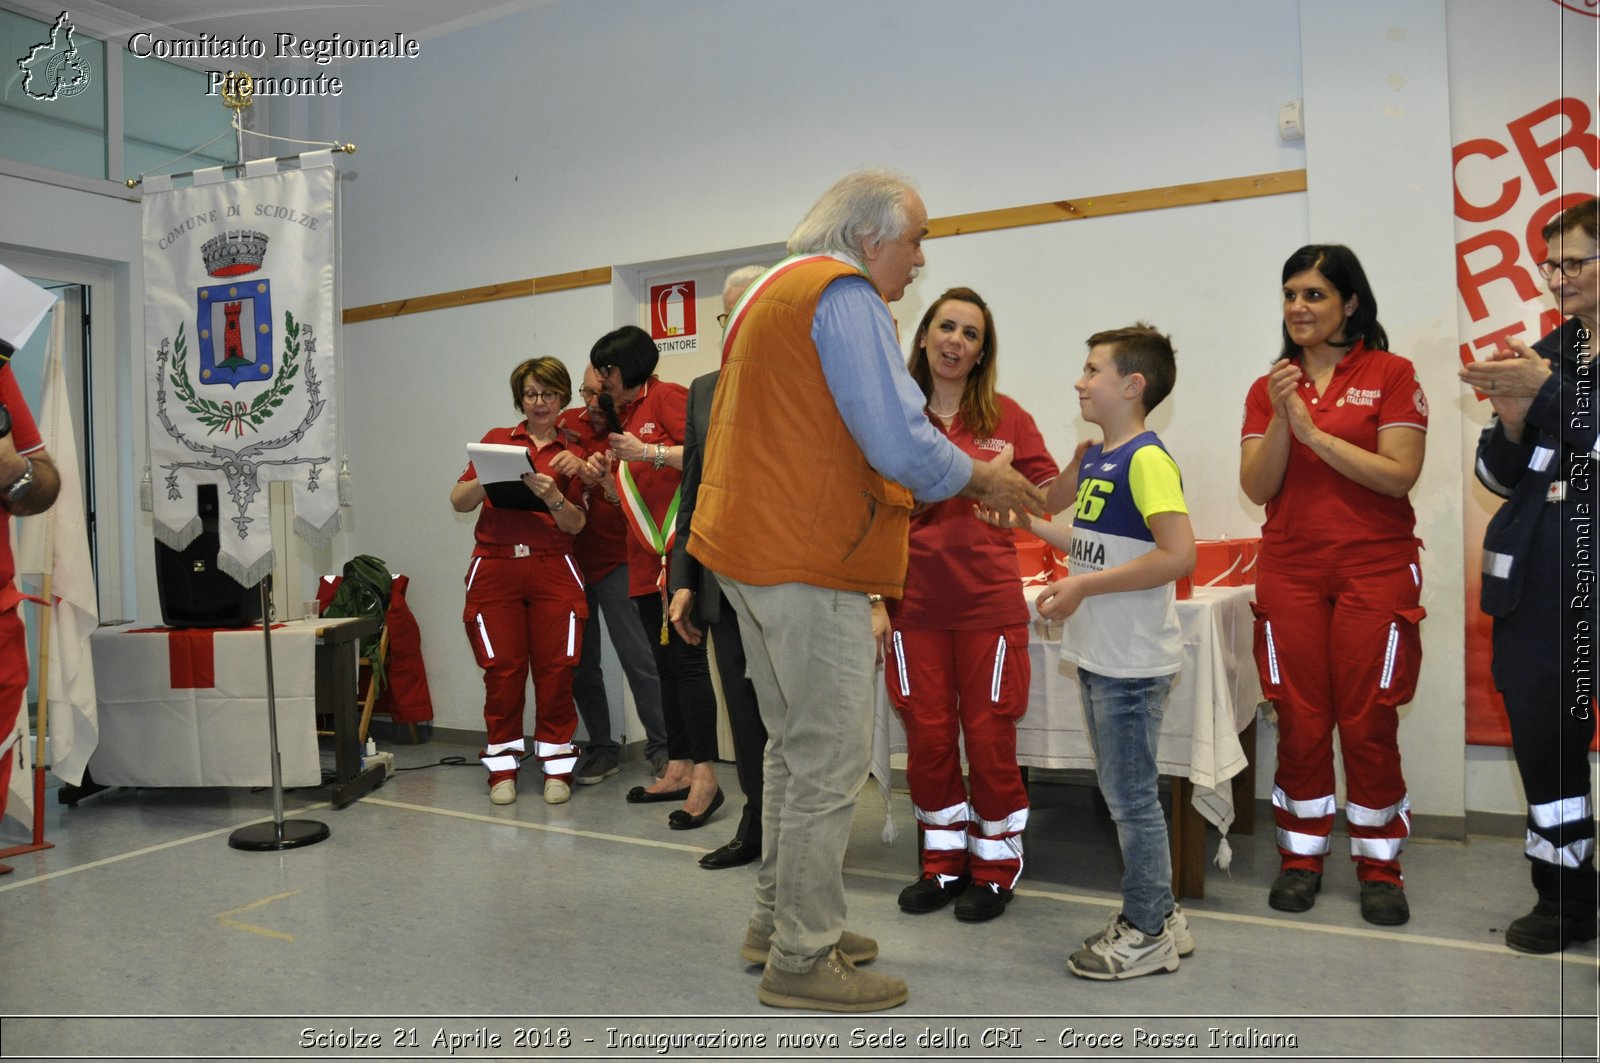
(946, 414)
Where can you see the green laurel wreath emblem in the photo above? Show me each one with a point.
(235, 416)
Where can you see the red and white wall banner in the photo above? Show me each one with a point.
(1525, 116)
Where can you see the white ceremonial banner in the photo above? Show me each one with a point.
(239, 311)
(56, 543)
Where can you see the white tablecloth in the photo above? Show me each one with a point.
(1214, 698)
(152, 734)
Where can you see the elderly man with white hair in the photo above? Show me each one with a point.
(817, 449)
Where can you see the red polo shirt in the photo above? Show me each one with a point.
(603, 543)
(25, 437)
(962, 573)
(1320, 519)
(656, 415)
(513, 527)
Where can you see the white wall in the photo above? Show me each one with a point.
(636, 131)
(589, 133)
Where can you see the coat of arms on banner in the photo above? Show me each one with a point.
(239, 278)
(234, 320)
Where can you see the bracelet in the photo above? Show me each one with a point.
(661, 457)
(558, 505)
(875, 599)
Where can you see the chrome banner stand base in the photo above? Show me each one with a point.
(277, 835)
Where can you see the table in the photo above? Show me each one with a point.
(189, 708)
(1213, 700)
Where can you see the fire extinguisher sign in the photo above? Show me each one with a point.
(672, 323)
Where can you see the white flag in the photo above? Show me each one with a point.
(57, 542)
(239, 356)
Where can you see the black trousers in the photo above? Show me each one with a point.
(744, 715)
(1545, 668)
(688, 701)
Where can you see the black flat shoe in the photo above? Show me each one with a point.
(736, 853)
(681, 820)
(640, 796)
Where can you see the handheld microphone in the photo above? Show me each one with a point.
(608, 407)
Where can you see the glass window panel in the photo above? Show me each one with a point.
(166, 112)
(65, 130)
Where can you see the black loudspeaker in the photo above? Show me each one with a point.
(193, 591)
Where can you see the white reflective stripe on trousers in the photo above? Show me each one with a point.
(1310, 808)
(996, 849)
(944, 817)
(557, 759)
(1302, 844)
(900, 666)
(1272, 653)
(993, 828)
(999, 670)
(1570, 855)
(1362, 816)
(1377, 848)
(1564, 810)
(1391, 650)
(944, 840)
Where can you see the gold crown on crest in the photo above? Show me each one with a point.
(232, 254)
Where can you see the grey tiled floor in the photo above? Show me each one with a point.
(430, 909)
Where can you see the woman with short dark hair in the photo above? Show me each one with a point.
(647, 450)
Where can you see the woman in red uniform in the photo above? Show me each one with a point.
(648, 454)
(1332, 443)
(525, 604)
(957, 660)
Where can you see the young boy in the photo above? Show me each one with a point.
(1130, 540)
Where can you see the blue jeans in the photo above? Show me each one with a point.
(1124, 720)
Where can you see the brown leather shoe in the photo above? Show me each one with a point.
(832, 984)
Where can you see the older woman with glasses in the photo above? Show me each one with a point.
(525, 606)
(1539, 577)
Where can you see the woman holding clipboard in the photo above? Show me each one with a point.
(525, 606)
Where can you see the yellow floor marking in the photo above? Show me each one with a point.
(223, 917)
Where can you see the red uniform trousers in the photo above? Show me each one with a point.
(951, 687)
(13, 682)
(1340, 651)
(527, 614)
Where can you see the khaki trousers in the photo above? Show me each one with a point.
(810, 656)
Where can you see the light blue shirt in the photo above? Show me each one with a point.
(877, 399)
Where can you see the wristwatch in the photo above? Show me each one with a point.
(18, 487)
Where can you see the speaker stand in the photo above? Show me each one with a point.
(277, 835)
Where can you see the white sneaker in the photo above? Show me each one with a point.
(1125, 952)
(1177, 925)
(503, 792)
(556, 792)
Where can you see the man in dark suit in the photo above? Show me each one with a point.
(697, 601)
